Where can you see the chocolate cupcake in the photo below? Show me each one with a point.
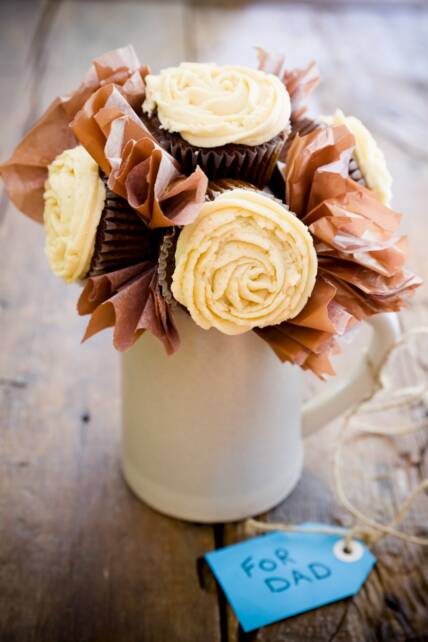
(231, 121)
(246, 262)
(89, 229)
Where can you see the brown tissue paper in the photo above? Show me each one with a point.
(130, 300)
(299, 83)
(361, 254)
(25, 173)
(138, 169)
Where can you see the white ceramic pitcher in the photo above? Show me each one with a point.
(214, 433)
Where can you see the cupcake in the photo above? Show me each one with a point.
(89, 229)
(367, 165)
(246, 262)
(231, 121)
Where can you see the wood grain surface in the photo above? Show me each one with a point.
(82, 560)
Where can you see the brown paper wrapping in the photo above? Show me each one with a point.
(138, 169)
(309, 339)
(301, 127)
(324, 149)
(166, 263)
(130, 300)
(299, 83)
(361, 255)
(25, 173)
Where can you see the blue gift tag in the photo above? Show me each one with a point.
(275, 576)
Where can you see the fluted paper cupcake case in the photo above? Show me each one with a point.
(217, 187)
(166, 263)
(252, 164)
(122, 239)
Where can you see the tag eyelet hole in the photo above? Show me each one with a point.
(350, 552)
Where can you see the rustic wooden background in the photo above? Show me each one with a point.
(82, 560)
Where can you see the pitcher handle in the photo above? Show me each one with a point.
(349, 390)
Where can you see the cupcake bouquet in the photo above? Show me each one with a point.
(209, 188)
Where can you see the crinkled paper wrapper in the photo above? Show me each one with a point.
(25, 173)
(361, 255)
(130, 300)
(299, 83)
(138, 169)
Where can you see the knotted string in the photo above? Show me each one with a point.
(367, 529)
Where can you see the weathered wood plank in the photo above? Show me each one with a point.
(366, 74)
(18, 25)
(80, 557)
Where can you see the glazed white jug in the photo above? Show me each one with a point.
(214, 433)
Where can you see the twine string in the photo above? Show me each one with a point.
(366, 528)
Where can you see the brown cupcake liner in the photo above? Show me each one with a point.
(166, 263)
(252, 164)
(217, 187)
(122, 239)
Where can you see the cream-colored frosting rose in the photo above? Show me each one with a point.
(369, 157)
(74, 200)
(210, 105)
(245, 262)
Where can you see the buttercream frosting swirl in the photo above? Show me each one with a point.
(74, 200)
(368, 155)
(211, 105)
(245, 262)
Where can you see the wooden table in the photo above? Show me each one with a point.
(81, 559)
